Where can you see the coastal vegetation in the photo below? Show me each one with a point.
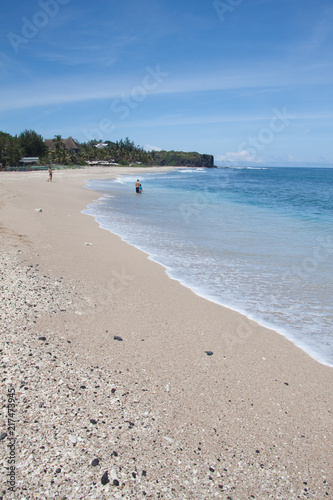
(69, 152)
(180, 158)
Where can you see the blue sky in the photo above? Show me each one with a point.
(249, 81)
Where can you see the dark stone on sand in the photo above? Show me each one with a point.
(117, 338)
(83, 387)
(134, 475)
(41, 338)
(95, 462)
(113, 390)
(105, 478)
(93, 421)
(144, 473)
(286, 383)
(115, 453)
(58, 471)
(3, 435)
(209, 353)
(116, 482)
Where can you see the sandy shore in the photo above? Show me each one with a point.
(152, 414)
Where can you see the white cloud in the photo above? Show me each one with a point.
(238, 157)
(149, 147)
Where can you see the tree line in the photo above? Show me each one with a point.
(13, 148)
(31, 144)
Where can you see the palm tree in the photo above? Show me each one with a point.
(59, 148)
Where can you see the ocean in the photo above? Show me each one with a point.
(257, 240)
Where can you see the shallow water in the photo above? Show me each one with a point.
(258, 240)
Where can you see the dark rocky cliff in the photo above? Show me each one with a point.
(182, 159)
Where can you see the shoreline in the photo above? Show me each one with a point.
(261, 323)
(258, 401)
(280, 330)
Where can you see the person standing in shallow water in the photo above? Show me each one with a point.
(137, 186)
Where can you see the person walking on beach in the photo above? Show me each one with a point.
(50, 174)
(137, 186)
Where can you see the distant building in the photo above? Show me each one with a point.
(102, 163)
(29, 160)
(69, 144)
(102, 145)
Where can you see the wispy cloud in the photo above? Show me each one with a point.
(78, 58)
(90, 88)
(179, 120)
(100, 52)
(6, 65)
(321, 32)
(87, 66)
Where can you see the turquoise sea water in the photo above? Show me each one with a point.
(257, 240)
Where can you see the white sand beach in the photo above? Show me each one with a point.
(153, 410)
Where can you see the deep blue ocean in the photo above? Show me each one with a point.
(257, 240)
